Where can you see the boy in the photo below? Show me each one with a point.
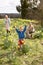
(21, 36)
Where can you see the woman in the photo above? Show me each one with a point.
(30, 30)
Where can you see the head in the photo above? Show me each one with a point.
(6, 16)
(30, 24)
(21, 28)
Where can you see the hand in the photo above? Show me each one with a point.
(14, 26)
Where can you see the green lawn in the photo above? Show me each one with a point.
(9, 54)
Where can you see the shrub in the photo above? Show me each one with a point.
(7, 43)
(38, 34)
(25, 48)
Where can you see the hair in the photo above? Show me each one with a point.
(6, 15)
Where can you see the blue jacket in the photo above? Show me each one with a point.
(21, 33)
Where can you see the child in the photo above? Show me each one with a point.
(21, 36)
(7, 23)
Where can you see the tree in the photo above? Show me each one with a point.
(26, 5)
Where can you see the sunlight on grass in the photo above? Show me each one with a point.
(10, 55)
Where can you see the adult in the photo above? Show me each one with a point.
(30, 30)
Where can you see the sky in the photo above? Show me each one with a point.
(9, 6)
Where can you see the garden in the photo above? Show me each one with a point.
(32, 51)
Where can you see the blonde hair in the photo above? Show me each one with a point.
(6, 16)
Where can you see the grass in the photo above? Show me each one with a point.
(10, 55)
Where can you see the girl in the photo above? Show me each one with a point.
(7, 23)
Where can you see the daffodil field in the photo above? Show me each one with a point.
(32, 52)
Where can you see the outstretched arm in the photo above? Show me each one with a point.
(24, 29)
(16, 29)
